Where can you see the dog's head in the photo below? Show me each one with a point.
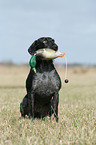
(44, 42)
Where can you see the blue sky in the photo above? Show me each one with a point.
(72, 23)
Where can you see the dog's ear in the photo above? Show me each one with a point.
(32, 48)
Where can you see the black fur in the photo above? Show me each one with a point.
(43, 86)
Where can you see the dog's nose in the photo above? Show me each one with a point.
(45, 42)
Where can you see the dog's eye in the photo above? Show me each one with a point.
(44, 42)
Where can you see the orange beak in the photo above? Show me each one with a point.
(62, 55)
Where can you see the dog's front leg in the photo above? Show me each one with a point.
(32, 101)
(29, 105)
(55, 105)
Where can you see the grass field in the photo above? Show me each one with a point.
(77, 110)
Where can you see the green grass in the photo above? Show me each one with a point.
(77, 112)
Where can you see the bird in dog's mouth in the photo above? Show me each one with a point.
(48, 54)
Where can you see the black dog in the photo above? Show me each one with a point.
(43, 86)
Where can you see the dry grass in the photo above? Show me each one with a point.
(77, 110)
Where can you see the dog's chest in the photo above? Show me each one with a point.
(46, 84)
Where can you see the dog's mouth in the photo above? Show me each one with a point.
(48, 54)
